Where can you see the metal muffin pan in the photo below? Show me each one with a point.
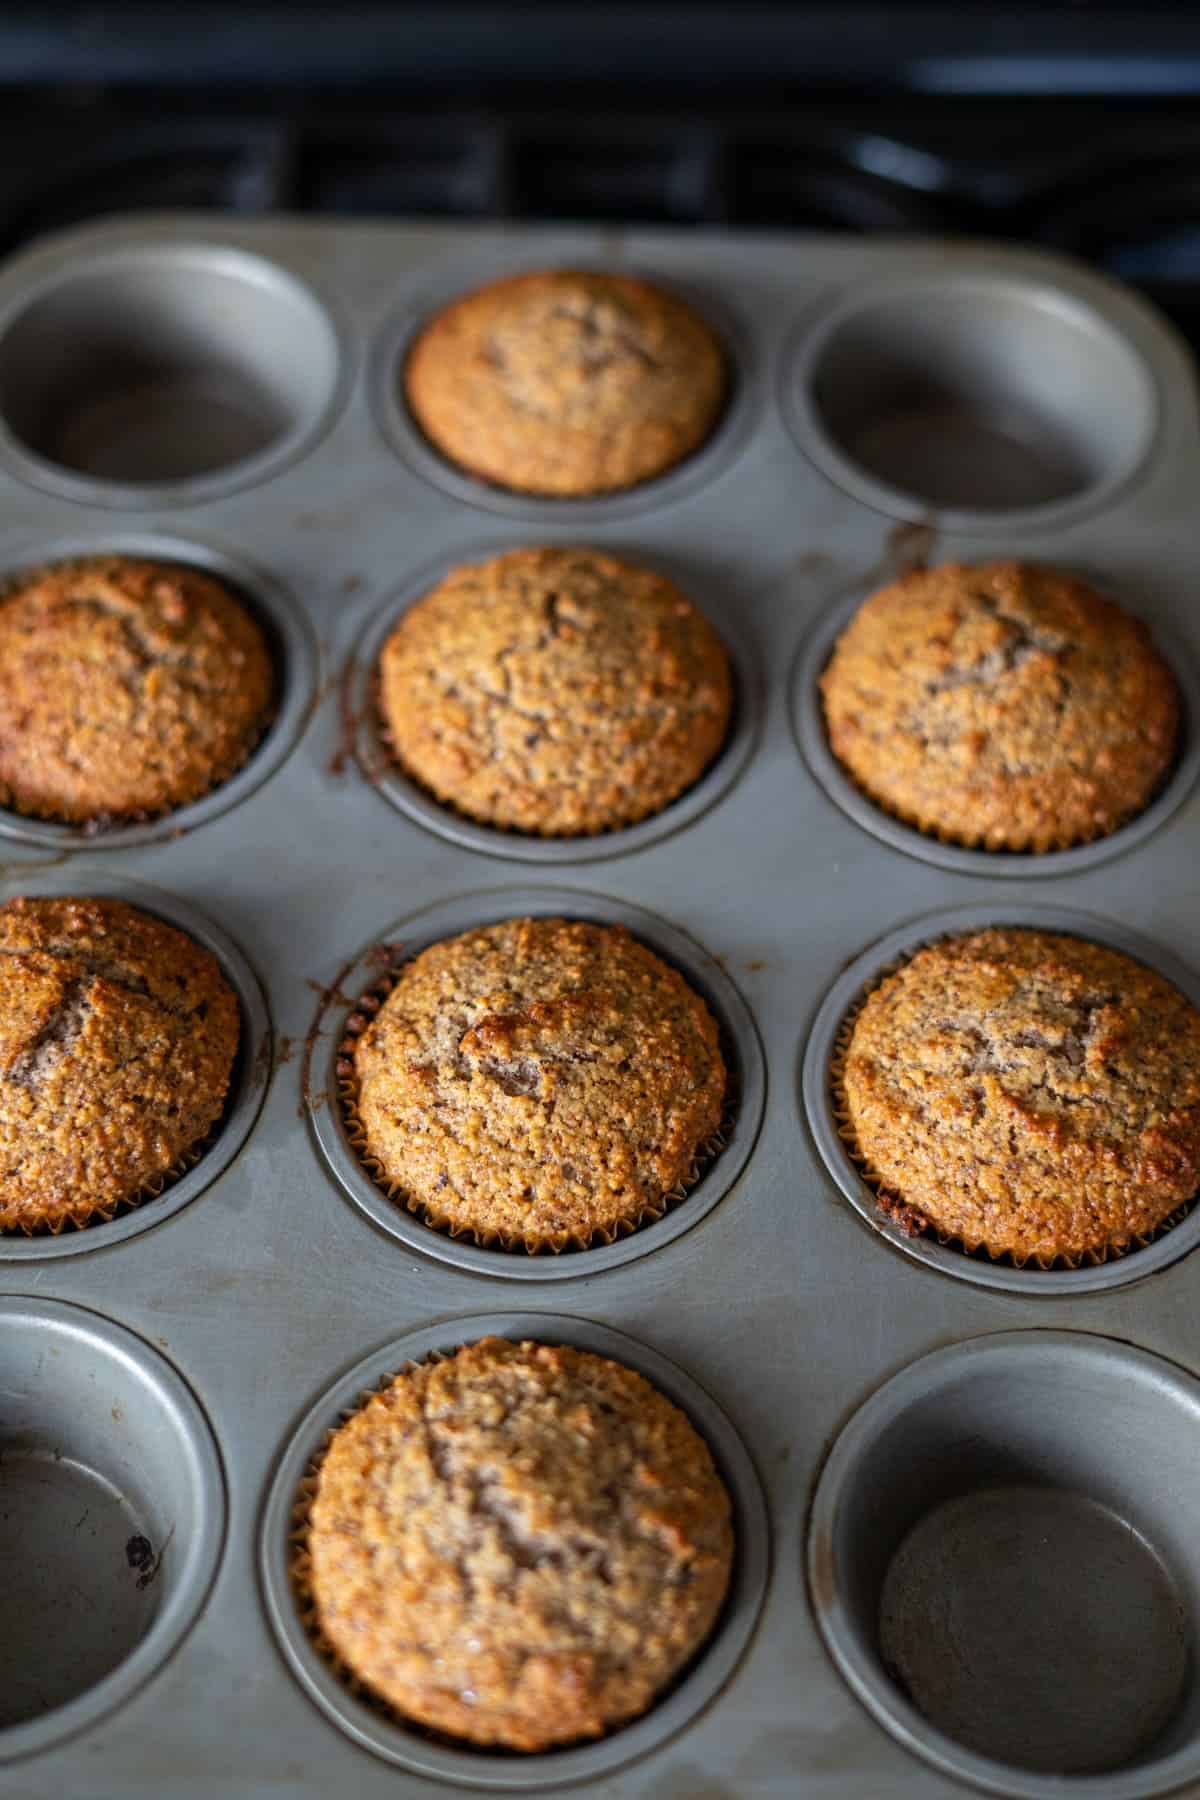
(783, 1302)
(404, 939)
(380, 768)
(420, 1752)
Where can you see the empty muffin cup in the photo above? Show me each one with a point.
(376, 1726)
(114, 1515)
(978, 399)
(164, 372)
(1002, 1562)
(359, 989)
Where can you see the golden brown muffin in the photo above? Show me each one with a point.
(540, 1082)
(563, 382)
(521, 1545)
(1028, 1092)
(127, 688)
(555, 691)
(1001, 706)
(117, 1038)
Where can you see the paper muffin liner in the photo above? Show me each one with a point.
(395, 762)
(1014, 844)
(910, 1219)
(533, 1243)
(97, 824)
(84, 1214)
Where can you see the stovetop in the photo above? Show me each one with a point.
(1116, 181)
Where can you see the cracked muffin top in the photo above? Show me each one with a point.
(127, 688)
(520, 1545)
(561, 382)
(556, 691)
(1001, 706)
(538, 1083)
(117, 1039)
(1028, 1092)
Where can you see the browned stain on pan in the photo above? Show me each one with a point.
(328, 995)
(909, 545)
(17, 871)
(264, 1061)
(331, 994)
(823, 1573)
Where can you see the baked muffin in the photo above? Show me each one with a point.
(1001, 706)
(117, 1039)
(540, 1082)
(1029, 1093)
(520, 1546)
(127, 688)
(561, 382)
(555, 691)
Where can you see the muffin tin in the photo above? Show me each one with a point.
(253, 367)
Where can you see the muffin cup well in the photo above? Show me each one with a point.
(206, 1160)
(404, 435)
(158, 374)
(808, 724)
(538, 1244)
(974, 398)
(293, 652)
(379, 766)
(1002, 1564)
(114, 1507)
(329, 1091)
(378, 1727)
(827, 1042)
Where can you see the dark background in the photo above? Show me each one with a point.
(1076, 125)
